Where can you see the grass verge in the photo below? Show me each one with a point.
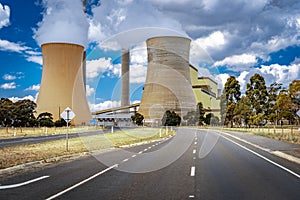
(12, 156)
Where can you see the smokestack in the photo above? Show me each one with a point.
(125, 78)
(84, 53)
(62, 83)
(168, 83)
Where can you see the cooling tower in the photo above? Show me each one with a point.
(168, 84)
(62, 83)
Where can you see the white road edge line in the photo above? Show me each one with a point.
(82, 182)
(193, 171)
(22, 184)
(266, 159)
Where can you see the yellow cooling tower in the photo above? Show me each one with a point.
(168, 83)
(62, 83)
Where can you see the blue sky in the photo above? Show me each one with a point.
(260, 36)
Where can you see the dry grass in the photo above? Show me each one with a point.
(12, 156)
(287, 134)
(26, 132)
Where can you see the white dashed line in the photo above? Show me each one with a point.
(191, 196)
(194, 151)
(195, 142)
(140, 152)
(133, 156)
(82, 182)
(125, 160)
(145, 149)
(193, 171)
(194, 158)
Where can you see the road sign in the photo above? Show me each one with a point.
(68, 114)
(298, 113)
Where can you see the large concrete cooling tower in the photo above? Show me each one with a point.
(62, 83)
(168, 84)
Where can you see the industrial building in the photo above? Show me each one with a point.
(62, 82)
(206, 91)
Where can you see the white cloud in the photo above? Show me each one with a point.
(4, 15)
(11, 46)
(89, 91)
(104, 105)
(95, 68)
(63, 21)
(9, 77)
(8, 86)
(214, 41)
(35, 59)
(137, 73)
(33, 88)
(238, 62)
(242, 80)
(284, 74)
(221, 79)
(29, 97)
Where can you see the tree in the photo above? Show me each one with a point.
(294, 91)
(273, 91)
(24, 113)
(231, 95)
(242, 111)
(211, 119)
(60, 123)
(284, 106)
(195, 117)
(137, 118)
(258, 95)
(171, 119)
(6, 107)
(45, 119)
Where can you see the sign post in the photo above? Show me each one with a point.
(67, 115)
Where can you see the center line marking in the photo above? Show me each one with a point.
(125, 160)
(194, 151)
(195, 142)
(191, 196)
(82, 182)
(193, 171)
(145, 149)
(140, 152)
(133, 156)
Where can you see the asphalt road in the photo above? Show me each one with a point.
(192, 165)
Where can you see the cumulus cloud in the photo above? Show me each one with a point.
(284, 74)
(238, 62)
(138, 73)
(63, 21)
(95, 68)
(8, 86)
(6, 45)
(35, 59)
(33, 88)
(89, 91)
(9, 77)
(104, 105)
(29, 97)
(4, 15)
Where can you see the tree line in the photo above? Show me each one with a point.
(260, 104)
(22, 114)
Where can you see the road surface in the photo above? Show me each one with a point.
(195, 164)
